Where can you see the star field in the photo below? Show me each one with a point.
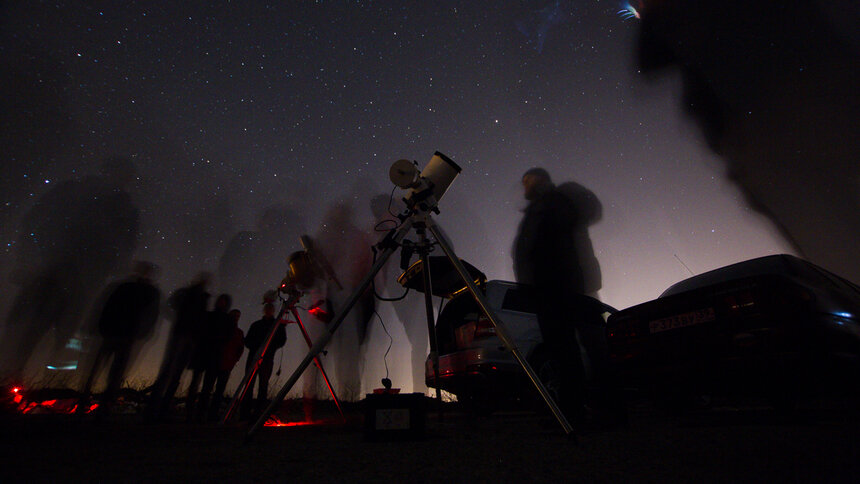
(228, 109)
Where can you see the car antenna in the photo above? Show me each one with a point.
(685, 265)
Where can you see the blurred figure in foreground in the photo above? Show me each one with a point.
(189, 312)
(256, 339)
(346, 249)
(126, 321)
(74, 238)
(546, 256)
(773, 85)
(246, 267)
(210, 341)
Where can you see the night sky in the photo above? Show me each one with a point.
(229, 110)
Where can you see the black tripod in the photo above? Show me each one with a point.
(417, 217)
(287, 306)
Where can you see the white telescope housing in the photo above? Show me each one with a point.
(430, 185)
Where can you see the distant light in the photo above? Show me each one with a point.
(47, 181)
(844, 315)
(74, 344)
(628, 11)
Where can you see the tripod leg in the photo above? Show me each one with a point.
(321, 343)
(242, 389)
(319, 365)
(431, 324)
(500, 331)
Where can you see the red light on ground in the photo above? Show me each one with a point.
(276, 422)
(65, 406)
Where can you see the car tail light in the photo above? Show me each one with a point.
(466, 334)
(625, 339)
(740, 301)
(625, 329)
(484, 328)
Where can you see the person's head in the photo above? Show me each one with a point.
(269, 310)
(145, 270)
(223, 303)
(235, 314)
(202, 279)
(535, 182)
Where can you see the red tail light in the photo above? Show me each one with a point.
(466, 334)
(484, 328)
(740, 301)
(625, 329)
(625, 339)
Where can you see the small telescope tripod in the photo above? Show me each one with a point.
(415, 217)
(288, 307)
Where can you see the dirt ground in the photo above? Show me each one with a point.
(730, 444)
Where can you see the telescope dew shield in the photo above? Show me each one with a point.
(300, 272)
(438, 175)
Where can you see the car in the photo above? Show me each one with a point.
(776, 326)
(474, 364)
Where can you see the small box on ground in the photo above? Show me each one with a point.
(393, 416)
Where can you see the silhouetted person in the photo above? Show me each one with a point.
(127, 319)
(547, 258)
(774, 88)
(588, 211)
(210, 340)
(189, 312)
(230, 355)
(74, 238)
(254, 341)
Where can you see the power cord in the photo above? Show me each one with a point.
(390, 342)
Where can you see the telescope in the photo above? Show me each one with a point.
(424, 191)
(427, 187)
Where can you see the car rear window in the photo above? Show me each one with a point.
(519, 299)
(773, 264)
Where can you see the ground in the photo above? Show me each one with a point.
(727, 444)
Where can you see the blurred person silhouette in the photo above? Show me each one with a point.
(254, 341)
(210, 339)
(410, 310)
(232, 351)
(188, 305)
(251, 262)
(347, 249)
(546, 257)
(127, 318)
(75, 237)
(773, 86)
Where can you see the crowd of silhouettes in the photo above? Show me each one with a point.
(552, 252)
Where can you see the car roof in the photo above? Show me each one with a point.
(780, 264)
